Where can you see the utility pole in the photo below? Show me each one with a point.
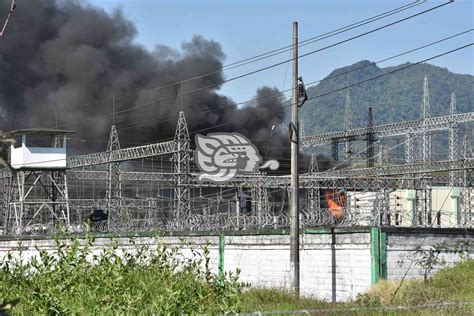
(294, 212)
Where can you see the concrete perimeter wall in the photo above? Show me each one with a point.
(336, 265)
(402, 259)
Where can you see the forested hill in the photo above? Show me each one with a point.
(394, 98)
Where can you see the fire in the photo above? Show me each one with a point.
(336, 201)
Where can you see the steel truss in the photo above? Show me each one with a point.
(114, 181)
(24, 208)
(124, 154)
(40, 202)
(388, 130)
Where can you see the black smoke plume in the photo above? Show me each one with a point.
(57, 56)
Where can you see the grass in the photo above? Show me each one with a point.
(450, 284)
(259, 299)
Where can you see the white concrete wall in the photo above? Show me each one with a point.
(332, 266)
(350, 274)
(264, 261)
(28, 247)
(401, 252)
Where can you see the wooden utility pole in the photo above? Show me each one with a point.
(294, 212)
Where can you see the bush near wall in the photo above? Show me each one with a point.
(76, 280)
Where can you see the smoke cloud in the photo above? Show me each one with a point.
(57, 56)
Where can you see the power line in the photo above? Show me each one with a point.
(263, 68)
(269, 53)
(359, 83)
(310, 83)
(305, 42)
(390, 72)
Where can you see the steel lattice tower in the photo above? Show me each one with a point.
(114, 183)
(425, 114)
(348, 126)
(423, 195)
(453, 141)
(468, 182)
(370, 139)
(181, 161)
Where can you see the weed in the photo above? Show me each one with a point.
(77, 278)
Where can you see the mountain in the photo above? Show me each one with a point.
(393, 98)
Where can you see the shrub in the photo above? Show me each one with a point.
(74, 279)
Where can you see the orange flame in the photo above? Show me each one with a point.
(336, 202)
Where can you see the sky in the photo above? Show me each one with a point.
(247, 28)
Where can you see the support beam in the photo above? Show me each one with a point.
(389, 130)
(123, 154)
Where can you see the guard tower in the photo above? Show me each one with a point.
(36, 199)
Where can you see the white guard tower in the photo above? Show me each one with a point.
(37, 197)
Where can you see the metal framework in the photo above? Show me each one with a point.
(182, 169)
(348, 126)
(23, 213)
(453, 142)
(170, 196)
(124, 154)
(389, 130)
(370, 138)
(114, 181)
(467, 197)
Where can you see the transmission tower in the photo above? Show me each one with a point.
(425, 114)
(370, 139)
(348, 126)
(423, 195)
(181, 161)
(467, 204)
(114, 183)
(453, 141)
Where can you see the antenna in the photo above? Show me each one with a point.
(181, 89)
(12, 8)
(113, 108)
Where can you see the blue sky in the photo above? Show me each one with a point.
(246, 28)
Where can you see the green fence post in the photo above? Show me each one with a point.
(374, 254)
(383, 254)
(221, 254)
(378, 253)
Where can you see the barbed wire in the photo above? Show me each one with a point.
(159, 220)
